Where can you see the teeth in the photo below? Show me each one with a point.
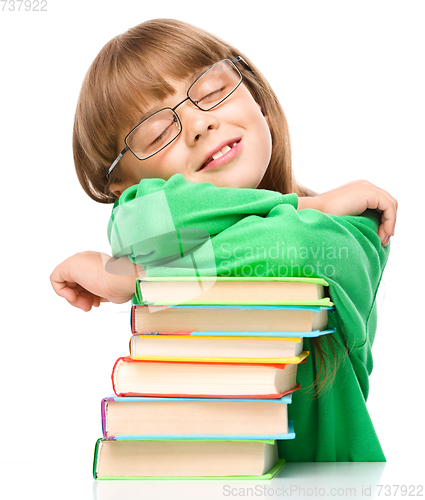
(222, 152)
(217, 155)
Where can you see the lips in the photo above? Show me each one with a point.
(221, 154)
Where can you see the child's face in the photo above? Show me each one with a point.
(237, 122)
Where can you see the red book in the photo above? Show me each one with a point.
(202, 380)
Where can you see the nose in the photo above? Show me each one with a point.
(196, 124)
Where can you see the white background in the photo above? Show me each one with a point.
(350, 76)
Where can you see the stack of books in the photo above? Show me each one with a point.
(213, 362)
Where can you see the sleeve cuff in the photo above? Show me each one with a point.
(290, 199)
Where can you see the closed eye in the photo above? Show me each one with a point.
(212, 95)
(163, 136)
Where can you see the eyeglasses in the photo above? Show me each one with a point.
(161, 128)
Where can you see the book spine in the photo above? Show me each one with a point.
(139, 292)
(114, 371)
(132, 319)
(96, 457)
(132, 340)
(104, 403)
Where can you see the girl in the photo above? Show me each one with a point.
(178, 129)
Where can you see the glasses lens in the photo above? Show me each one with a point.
(154, 133)
(215, 85)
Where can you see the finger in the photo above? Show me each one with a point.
(388, 206)
(394, 201)
(60, 283)
(391, 208)
(388, 225)
(389, 219)
(383, 236)
(76, 296)
(96, 301)
(82, 301)
(85, 300)
(64, 291)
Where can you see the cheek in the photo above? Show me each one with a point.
(169, 161)
(154, 167)
(256, 119)
(262, 131)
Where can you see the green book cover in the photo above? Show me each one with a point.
(197, 294)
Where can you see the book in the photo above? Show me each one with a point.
(173, 418)
(186, 347)
(232, 290)
(194, 379)
(189, 458)
(228, 318)
(213, 363)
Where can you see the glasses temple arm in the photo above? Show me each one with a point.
(117, 159)
(242, 60)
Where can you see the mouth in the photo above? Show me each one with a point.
(221, 155)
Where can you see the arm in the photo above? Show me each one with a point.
(353, 199)
(84, 282)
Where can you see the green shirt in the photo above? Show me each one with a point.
(176, 227)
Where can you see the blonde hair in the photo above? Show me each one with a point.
(133, 67)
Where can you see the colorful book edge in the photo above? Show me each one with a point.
(219, 437)
(287, 399)
(318, 281)
(292, 307)
(295, 360)
(314, 333)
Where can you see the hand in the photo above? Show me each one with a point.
(83, 281)
(353, 199)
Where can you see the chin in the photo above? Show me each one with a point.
(235, 180)
(236, 184)
(246, 183)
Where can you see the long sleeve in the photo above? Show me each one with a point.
(153, 210)
(173, 227)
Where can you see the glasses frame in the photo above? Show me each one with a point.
(176, 116)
